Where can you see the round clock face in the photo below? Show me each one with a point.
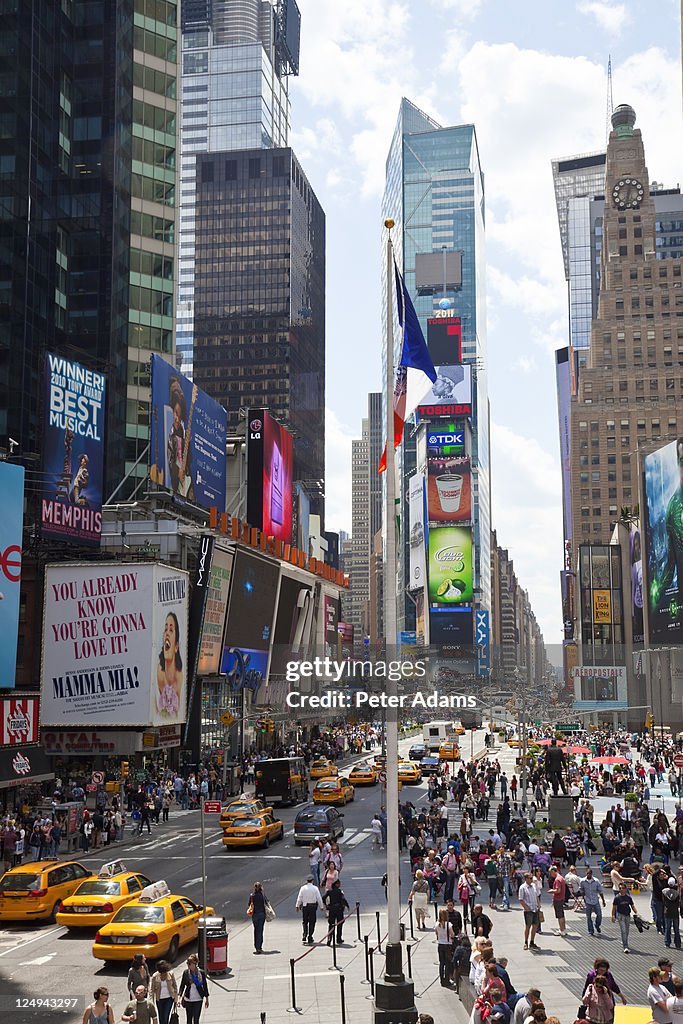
(627, 194)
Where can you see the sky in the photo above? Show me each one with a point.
(532, 77)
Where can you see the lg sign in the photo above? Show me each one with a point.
(10, 563)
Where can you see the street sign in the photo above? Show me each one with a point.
(227, 719)
(97, 778)
(212, 807)
(383, 777)
(568, 727)
(678, 760)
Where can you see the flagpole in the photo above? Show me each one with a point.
(394, 996)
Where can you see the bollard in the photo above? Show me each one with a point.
(409, 950)
(334, 947)
(372, 971)
(410, 913)
(379, 934)
(358, 920)
(293, 1008)
(263, 1017)
(367, 962)
(343, 998)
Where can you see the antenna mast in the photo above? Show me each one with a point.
(610, 99)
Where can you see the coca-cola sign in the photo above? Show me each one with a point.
(19, 721)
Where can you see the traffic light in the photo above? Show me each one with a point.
(649, 720)
(124, 769)
(261, 725)
(270, 725)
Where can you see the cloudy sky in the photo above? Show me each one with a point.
(532, 77)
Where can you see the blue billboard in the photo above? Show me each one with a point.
(482, 639)
(187, 438)
(73, 452)
(11, 526)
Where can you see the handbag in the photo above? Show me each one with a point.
(420, 900)
(270, 912)
(541, 916)
(173, 1017)
(250, 910)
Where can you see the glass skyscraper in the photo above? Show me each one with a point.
(234, 97)
(434, 192)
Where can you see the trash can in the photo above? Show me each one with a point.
(216, 944)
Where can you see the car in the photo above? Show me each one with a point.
(333, 791)
(35, 891)
(364, 775)
(449, 751)
(417, 752)
(321, 768)
(317, 822)
(97, 899)
(460, 730)
(157, 924)
(408, 772)
(258, 830)
(243, 808)
(514, 742)
(429, 764)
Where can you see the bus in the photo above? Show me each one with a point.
(281, 780)
(436, 733)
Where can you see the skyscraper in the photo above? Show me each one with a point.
(235, 62)
(434, 192)
(366, 514)
(87, 162)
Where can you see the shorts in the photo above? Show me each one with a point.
(559, 910)
(531, 917)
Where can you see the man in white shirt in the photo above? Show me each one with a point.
(531, 906)
(309, 901)
(573, 880)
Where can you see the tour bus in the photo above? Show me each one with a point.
(436, 733)
(281, 780)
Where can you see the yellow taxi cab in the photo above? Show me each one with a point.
(243, 808)
(36, 890)
(460, 730)
(321, 768)
(514, 742)
(257, 830)
(364, 775)
(409, 772)
(333, 791)
(97, 899)
(449, 751)
(156, 923)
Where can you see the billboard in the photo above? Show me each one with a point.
(215, 610)
(452, 387)
(11, 540)
(444, 340)
(449, 490)
(187, 437)
(18, 721)
(599, 688)
(602, 606)
(664, 542)
(636, 562)
(451, 628)
(270, 464)
(331, 612)
(292, 622)
(564, 394)
(418, 569)
(251, 608)
(450, 567)
(114, 645)
(73, 452)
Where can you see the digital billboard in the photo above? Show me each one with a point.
(449, 490)
(444, 340)
(215, 611)
(636, 563)
(418, 569)
(452, 387)
(73, 452)
(451, 628)
(114, 645)
(450, 567)
(270, 465)
(664, 540)
(331, 612)
(599, 688)
(11, 543)
(292, 621)
(187, 437)
(251, 608)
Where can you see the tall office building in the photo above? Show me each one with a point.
(434, 192)
(237, 55)
(366, 514)
(87, 221)
(260, 297)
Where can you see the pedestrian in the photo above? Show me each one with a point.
(314, 856)
(528, 897)
(419, 897)
(138, 974)
(99, 1011)
(165, 805)
(593, 894)
(674, 1003)
(377, 835)
(256, 910)
(336, 903)
(672, 913)
(163, 989)
(599, 1002)
(309, 902)
(622, 908)
(144, 819)
(559, 894)
(491, 872)
(445, 938)
(657, 997)
(601, 969)
(140, 1009)
(193, 989)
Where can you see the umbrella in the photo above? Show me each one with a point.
(579, 750)
(609, 760)
(546, 743)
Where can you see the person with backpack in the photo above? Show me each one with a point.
(672, 912)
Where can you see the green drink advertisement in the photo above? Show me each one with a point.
(450, 565)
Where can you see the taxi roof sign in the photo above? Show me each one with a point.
(114, 867)
(153, 892)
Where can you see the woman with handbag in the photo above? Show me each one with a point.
(194, 990)
(599, 1002)
(260, 911)
(419, 897)
(445, 938)
(163, 989)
